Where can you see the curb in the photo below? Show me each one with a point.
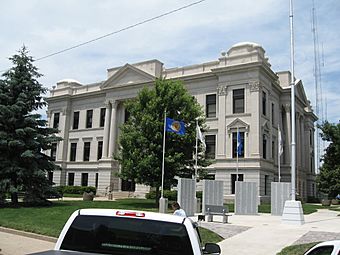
(28, 234)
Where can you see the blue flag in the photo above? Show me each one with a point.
(175, 126)
(239, 144)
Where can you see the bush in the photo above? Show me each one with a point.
(75, 189)
(171, 195)
(311, 199)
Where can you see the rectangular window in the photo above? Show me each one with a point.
(89, 116)
(264, 147)
(87, 148)
(84, 179)
(266, 178)
(70, 179)
(273, 114)
(54, 151)
(50, 178)
(73, 152)
(75, 120)
(100, 150)
(211, 106)
(273, 150)
(235, 145)
(210, 141)
(56, 120)
(233, 180)
(127, 235)
(264, 102)
(238, 101)
(96, 180)
(102, 117)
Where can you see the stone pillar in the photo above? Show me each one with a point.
(113, 131)
(221, 135)
(107, 129)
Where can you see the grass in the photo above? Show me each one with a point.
(49, 220)
(209, 236)
(296, 249)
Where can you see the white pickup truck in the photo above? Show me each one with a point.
(126, 232)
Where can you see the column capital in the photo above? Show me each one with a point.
(254, 86)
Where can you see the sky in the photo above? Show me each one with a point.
(191, 36)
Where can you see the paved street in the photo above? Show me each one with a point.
(262, 234)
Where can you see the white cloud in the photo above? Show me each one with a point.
(193, 35)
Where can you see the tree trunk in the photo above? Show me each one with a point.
(158, 195)
(14, 198)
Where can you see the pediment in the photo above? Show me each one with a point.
(237, 124)
(127, 75)
(300, 92)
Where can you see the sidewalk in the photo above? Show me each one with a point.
(264, 234)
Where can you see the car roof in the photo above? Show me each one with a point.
(132, 214)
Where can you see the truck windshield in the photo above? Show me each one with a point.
(119, 235)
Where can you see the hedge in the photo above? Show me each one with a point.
(171, 195)
(75, 189)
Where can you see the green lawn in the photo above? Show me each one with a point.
(296, 249)
(50, 220)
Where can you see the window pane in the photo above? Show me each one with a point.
(102, 117)
(75, 120)
(264, 102)
(73, 152)
(89, 115)
(100, 150)
(84, 179)
(210, 141)
(56, 120)
(53, 151)
(70, 179)
(235, 145)
(238, 101)
(121, 235)
(87, 147)
(211, 106)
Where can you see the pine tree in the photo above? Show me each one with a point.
(23, 134)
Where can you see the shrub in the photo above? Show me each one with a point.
(311, 199)
(171, 195)
(75, 189)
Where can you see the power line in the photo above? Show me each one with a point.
(117, 31)
(120, 30)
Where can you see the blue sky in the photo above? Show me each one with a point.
(191, 36)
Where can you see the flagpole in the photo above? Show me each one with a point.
(237, 154)
(164, 132)
(196, 150)
(278, 153)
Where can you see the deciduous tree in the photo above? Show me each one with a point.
(141, 137)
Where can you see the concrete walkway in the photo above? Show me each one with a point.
(266, 235)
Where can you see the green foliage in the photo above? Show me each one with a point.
(296, 249)
(171, 195)
(23, 134)
(141, 137)
(328, 179)
(76, 189)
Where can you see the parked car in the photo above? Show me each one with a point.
(325, 248)
(109, 231)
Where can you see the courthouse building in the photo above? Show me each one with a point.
(238, 90)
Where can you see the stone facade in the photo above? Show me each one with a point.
(239, 91)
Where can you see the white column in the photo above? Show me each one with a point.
(288, 135)
(113, 131)
(107, 129)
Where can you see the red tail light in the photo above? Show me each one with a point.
(130, 214)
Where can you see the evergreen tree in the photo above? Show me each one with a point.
(141, 137)
(329, 177)
(23, 134)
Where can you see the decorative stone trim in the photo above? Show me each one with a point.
(254, 86)
(222, 90)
